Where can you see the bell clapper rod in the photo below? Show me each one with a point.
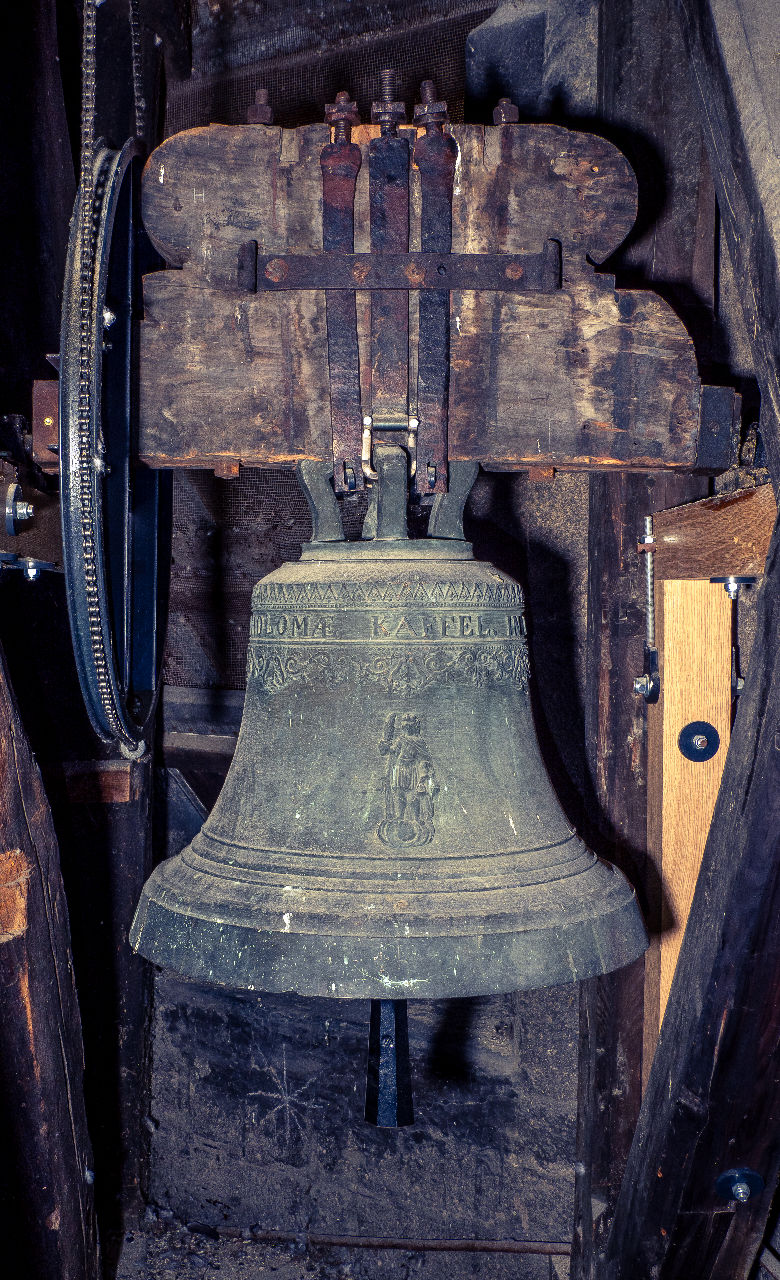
(388, 1077)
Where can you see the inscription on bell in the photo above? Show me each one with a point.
(491, 624)
(292, 626)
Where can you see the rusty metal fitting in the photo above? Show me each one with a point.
(505, 112)
(388, 113)
(429, 112)
(260, 112)
(343, 115)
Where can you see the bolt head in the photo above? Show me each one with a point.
(505, 112)
(430, 113)
(741, 1192)
(260, 112)
(342, 110)
(642, 685)
(388, 112)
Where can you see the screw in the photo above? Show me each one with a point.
(741, 1191)
(505, 112)
(31, 570)
(642, 685)
(260, 112)
(699, 742)
(387, 84)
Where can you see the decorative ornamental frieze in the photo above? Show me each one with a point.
(395, 669)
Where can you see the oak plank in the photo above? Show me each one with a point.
(697, 675)
(716, 537)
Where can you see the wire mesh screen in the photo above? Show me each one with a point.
(229, 533)
(303, 61)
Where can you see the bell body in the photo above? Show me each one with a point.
(387, 828)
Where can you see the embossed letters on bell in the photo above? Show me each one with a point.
(387, 828)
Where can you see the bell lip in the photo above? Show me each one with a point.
(244, 959)
(389, 549)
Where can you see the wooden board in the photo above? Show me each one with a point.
(716, 537)
(585, 377)
(697, 687)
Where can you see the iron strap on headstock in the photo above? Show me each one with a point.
(388, 272)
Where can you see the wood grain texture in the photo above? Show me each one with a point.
(732, 51)
(646, 101)
(716, 537)
(585, 377)
(711, 1101)
(105, 807)
(48, 1214)
(697, 675)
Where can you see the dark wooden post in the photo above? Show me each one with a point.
(712, 1101)
(646, 104)
(47, 1173)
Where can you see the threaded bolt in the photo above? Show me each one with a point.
(428, 91)
(387, 84)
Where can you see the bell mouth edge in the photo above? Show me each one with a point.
(244, 959)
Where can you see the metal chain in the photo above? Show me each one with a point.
(136, 53)
(90, 200)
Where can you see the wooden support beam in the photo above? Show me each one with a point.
(697, 689)
(102, 810)
(649, 114)
(717, 537)
(711, 1102)
(732, 47)
(46, 1192)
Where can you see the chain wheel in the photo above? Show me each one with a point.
(112, 533)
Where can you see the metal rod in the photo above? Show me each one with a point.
(649, 586)
(554, 1248)
(388, 1077)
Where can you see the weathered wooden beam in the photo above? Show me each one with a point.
(732, 60)
(102, 810)
(582, 377)
(711, 1101)
(728, 534)
(646, 105)
(48, 1216)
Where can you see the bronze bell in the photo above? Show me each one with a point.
(387, 828)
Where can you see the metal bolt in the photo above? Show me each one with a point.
(741, 1191)
(430, 112)
(505, 112)
(108, 317)
(699, 742)
(260, 112)
(31, 570)
(48, 422)
(386, 112)
(16, 509)
(342, 114)
(642, 685)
